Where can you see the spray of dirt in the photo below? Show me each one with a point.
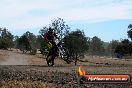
(9, 58)
(14, 61)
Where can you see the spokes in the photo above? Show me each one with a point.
(64, 54)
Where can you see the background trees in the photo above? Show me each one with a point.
(23, 44)
(125, 46)
(77, 44)
(129, 33)
(76, 41)
(112, 46)
(6, 39)
(60, 28)
(96, 46)
(27, 42)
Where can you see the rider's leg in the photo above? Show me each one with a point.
(55, 48)
(53, 54)
(52, 60)
(49, 57)
(50, 53)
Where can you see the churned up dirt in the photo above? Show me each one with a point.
(19, 70)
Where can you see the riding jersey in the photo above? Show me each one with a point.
(49, 36)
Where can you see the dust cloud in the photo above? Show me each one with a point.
(12, 59)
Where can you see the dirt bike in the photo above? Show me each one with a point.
(61, 52)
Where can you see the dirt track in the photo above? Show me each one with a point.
(41, 76)
(38, 75)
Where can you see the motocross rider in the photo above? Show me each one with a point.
(49, 38)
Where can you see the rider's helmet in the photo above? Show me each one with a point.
(50, 30)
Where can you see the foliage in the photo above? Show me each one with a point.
(110, 50)
(6, 38)
(96, 46)
(114, 44)
(15, 42)
(124, 47)
(129, 33)
(28, 42)
(42, 44)
(60, 28)
(76, 43)
(23, 44)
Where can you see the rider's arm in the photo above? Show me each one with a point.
(46, 37)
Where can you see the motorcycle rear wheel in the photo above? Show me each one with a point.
(65, 54)
(50, 60)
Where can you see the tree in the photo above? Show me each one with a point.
(23, 44)
(123, 48)
(129, 33)
(112, 46)
(60, 27)
(32, 39)
(76, 43)
(43, 30)
(42, 44)
(107, 51)
(28, 42)
(15, 41)
(126, 46)
(6, 38)
(96, 46)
